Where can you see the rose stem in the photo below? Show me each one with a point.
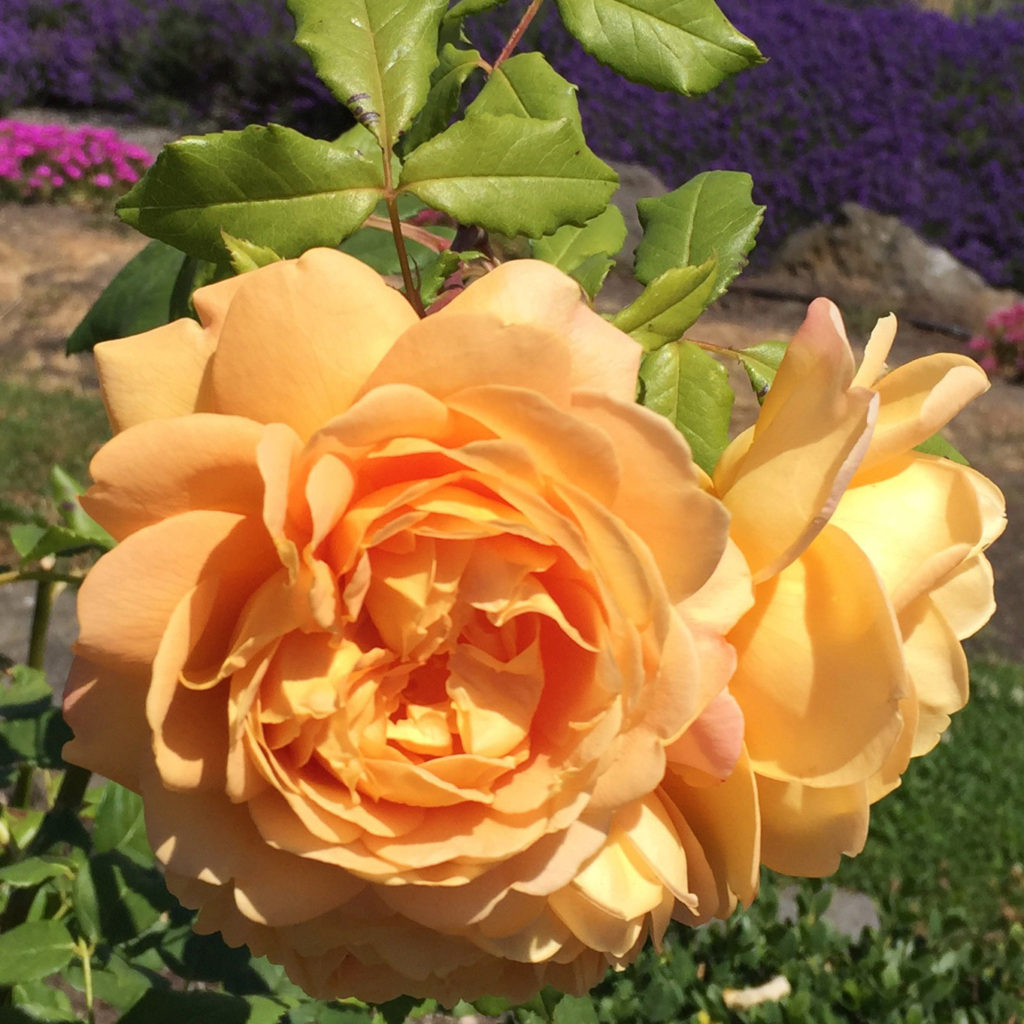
(517, 32)
(390, 198)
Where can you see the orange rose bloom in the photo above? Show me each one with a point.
(867, 561)
(402, 633)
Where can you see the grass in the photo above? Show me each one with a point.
(40, 429)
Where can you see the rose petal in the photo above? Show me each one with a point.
(532, 292)
(811, 434)
(805, 831)
(153, 375)
(339, 318)
(214, 468)
(820, 668)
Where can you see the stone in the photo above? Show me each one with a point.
(635, 182)
(875, 258)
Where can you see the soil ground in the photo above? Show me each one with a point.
(54, 261)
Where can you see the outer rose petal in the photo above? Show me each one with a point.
(339, 318)
(215, 469)
(805, 830)
(400, 635)
(533, 292)
(154, 375)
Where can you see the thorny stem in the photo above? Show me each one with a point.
(412, 293)
(46, 591)
(517, 33)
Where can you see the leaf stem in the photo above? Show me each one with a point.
(411, 231)
(19, 575)
(84, 951)
(722, 350)
(517, 33)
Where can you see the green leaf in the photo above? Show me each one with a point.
(761, 363)
(590, 274)
(437, 272)
(454, 67)
(34, 871)
(37, 740)
(570, 246)
(270, 184)
(375, 56)
(24, 693)
(938, 445)
(669, 305)
(137, 300)
(127, 898)
(264, 1009)
(689, 387)
(120, 823)
(86, 904)
(574, 1010)
(34, 542)
(467, 7)
(29, 952)
(162, 1006)
(711, 215)
(40, 1003)
(687, 46)
(245, 255)
(348, 1011)
(115, 983)
(515, 175)
(65, 490)
(528, 86)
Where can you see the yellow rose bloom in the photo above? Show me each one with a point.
(402, 634)
(867, 561)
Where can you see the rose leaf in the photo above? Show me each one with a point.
(669, 305)
(34, 950)
(516, 175)
(761, 363)
(528, 86)
(375, 56)
(271, 185)
(689, 387)
(711, 215)
(137, 300)
(688, 47)
(442, 102)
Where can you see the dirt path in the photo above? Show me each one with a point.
(54, 261)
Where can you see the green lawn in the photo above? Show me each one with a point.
(40, 429)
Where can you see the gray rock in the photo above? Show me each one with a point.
(849, 912)
(873, 258)
(17, 601)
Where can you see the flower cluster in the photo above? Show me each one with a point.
(999, 348)
(53, 163)
(441, 667)
(230, 61)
